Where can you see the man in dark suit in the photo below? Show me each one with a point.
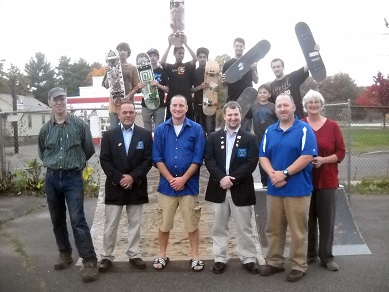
(125, 157)
(231, 156)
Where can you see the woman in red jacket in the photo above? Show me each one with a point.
(331, 151)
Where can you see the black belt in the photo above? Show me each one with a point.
(63, 171)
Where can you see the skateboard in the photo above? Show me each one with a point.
(210, 95)
(307, 43)
(243, 64)
(245, 100)
(177, 22)
(115, 77)
(146, 76)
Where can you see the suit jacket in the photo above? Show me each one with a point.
(244, 160)
(116, 162)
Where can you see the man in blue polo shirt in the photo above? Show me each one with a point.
(286, 153)
(178, 151)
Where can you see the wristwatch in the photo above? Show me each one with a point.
(286, 172)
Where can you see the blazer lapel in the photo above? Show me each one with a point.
(134, 142)
(236, 146)
(119, 143)
(222, 147)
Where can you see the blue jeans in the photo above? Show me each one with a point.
(65, 188)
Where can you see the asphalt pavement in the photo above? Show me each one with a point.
(28, 252)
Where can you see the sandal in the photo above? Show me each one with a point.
(197, 263)
(162, 262)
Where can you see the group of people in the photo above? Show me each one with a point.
(297, 158)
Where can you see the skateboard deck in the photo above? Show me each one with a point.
(115, 77)
(307, 43)
(210, 95)
(245, 100)
(146, 76)
(243, 64)
(177, 22)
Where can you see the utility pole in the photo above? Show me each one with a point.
(14, 109)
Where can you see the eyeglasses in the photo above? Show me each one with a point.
(313, 102)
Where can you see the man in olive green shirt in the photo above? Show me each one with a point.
(65, 144)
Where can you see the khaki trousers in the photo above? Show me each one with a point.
(281, 212)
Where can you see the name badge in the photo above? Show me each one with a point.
(242, 152)
(140, 145)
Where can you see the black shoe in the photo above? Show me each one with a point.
(295, 275)
(219, 267)
(105, 264)
(251, 268)
(270, 270)
(138, 263)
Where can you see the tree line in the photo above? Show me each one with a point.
(39, 76)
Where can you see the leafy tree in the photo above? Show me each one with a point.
(377, 95)
(3, 79)
(41, 76)
(79, 73)
(97, 70)
(339, 88)
(21, 81)
(63, 72)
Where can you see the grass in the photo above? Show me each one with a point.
(372, 187)
(364, 140)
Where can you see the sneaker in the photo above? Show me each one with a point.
(331, 266)
(295, 275)
(90, 272)
(64, 260)
(270, 270)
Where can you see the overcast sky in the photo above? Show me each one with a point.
(352, 35)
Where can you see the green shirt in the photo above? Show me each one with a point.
(65, 146)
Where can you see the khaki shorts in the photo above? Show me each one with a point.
(190, 210)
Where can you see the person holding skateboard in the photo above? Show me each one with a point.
(235, 89)
(180, 75)
(264, 115)
(207, 122)
(131, 81)
(289, 83)
(161, 82)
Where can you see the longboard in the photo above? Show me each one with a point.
(245, 100)
(307, 43)
(177, 22)
(243, 64)
(146, 76)
(210, 95)
(115, 77)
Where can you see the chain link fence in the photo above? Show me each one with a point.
(364, 131)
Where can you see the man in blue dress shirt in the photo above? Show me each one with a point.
(178, 151)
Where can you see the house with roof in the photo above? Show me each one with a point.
(31, 114)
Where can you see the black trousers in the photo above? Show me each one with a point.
(321, 224)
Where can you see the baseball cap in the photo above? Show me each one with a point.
(153, 51)
(56, 91)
